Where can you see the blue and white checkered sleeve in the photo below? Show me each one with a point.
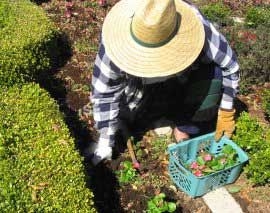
(107, 89)
(218, 50)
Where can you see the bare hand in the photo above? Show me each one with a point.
(179, 135)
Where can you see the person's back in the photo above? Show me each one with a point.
(161, 59)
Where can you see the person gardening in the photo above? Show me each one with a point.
(161, 59)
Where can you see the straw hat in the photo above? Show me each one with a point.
(152, 38)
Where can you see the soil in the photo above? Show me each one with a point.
(69, 84)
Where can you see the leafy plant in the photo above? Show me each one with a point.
(217, 12)
(84, 46)
(258, 168)
(249, 134)
(266, 101)
(158, 204)
(127, 173)
(256, 16)
(255, 140)
(158, 145)
(207, 163)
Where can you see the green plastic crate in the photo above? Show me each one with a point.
(185, 152)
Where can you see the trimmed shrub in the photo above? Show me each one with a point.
(28, 42)
(255, 140)
(40, 169)
(4, 14)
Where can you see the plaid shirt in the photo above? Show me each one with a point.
(110, 84)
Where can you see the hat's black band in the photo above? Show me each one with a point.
(151, 45)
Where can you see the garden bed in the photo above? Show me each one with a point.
(82, 21)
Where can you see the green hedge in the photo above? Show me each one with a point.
(4, 14)
(28, 41)
(40, 169)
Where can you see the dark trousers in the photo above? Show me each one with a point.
(190, 101)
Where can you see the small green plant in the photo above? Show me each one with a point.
(158, 204)
(256, 16)
(85, 46)
(91, 4)
(217, 12)
(207, 163)
(266, 101)
(127, 173)
(159, 145)
(80, 88)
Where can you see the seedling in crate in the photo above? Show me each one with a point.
(206, 163)
(205, 171)
(158, 204)
(127, 173)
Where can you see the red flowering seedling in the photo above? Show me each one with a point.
(68, 10)
(206, 163)
(102, 3)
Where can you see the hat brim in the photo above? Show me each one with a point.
(176, 55)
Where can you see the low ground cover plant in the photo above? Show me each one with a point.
(256, 16)
(253, 48)
(158, 204)
(218, 13)
(127, 173)
(255, 140)
(253, 51)
(249, 39)
(266, 102)
(40, 169)
(207, 163)
(28, 42)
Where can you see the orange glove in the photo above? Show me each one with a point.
(225, 123)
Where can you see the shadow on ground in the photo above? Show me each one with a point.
(38, 2)
(101, 179)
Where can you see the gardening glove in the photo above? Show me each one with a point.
(100, 151)
(225, 123)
